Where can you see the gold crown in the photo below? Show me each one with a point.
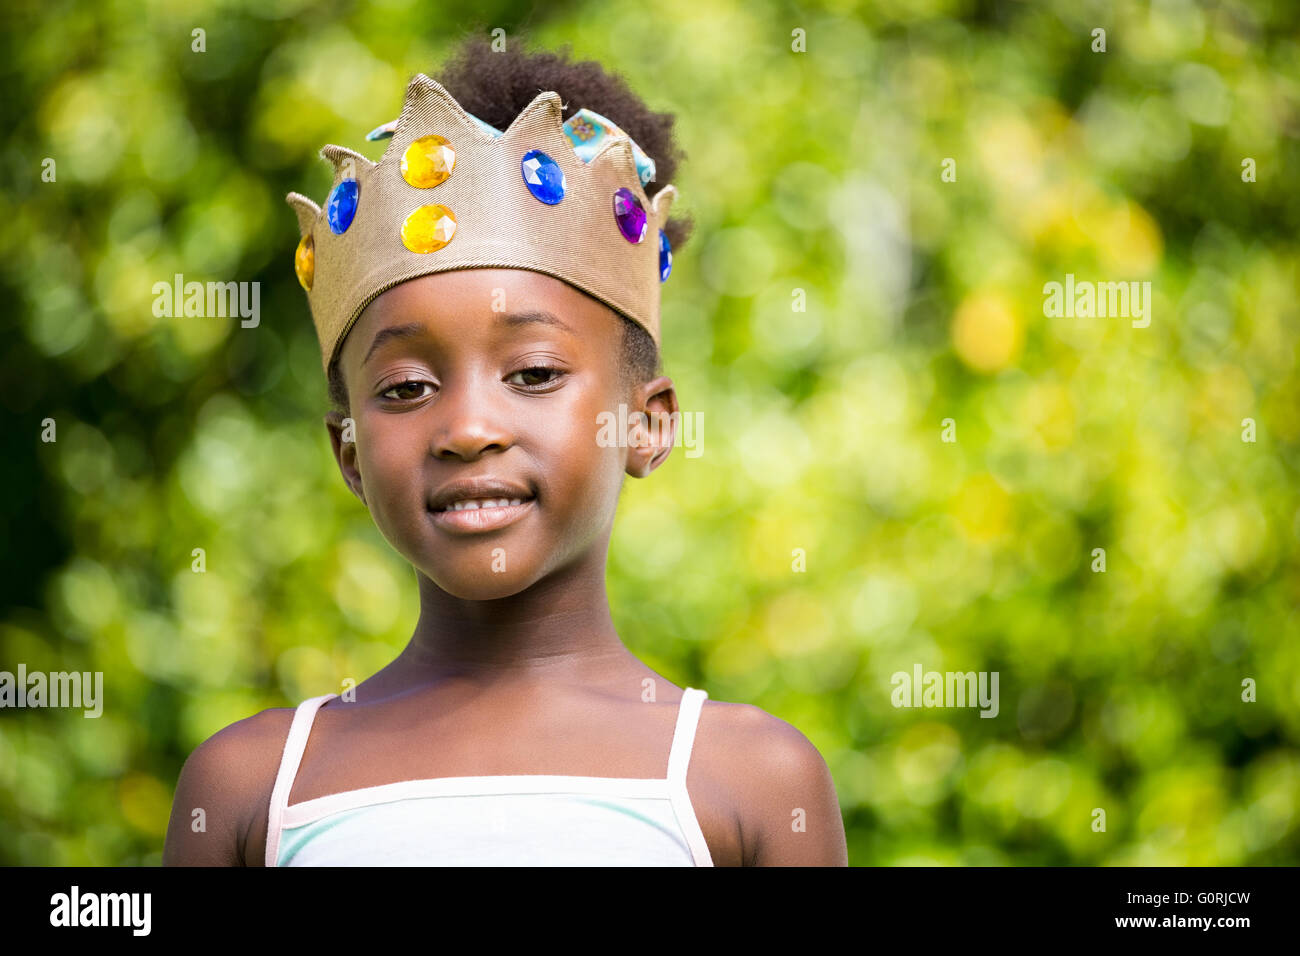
(448, 194)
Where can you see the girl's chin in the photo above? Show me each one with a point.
(479, 584)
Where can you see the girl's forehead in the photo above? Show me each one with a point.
(504, 300)
(488, 290)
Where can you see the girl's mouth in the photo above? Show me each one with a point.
(473, 515)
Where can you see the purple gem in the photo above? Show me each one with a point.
(629, 215)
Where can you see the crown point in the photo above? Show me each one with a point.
(428, 101)
(616, 152)
(663, 202)
(307, 211)
(347, 164)
(420, 90)
(543, 113)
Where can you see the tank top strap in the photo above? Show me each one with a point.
(679, 758)
(295, 745)
(688, 717)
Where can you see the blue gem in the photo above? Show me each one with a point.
(382, 132)
(342, 205)
(543, 177)
(665, 256)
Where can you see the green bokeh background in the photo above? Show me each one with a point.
(817, 171)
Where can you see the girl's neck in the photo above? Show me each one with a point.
(559, 629)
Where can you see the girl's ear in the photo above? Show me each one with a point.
(651, 426)
(342, 432)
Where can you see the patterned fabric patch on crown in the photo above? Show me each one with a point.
(588, 130)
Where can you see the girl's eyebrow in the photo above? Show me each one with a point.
(410, 330)
(516, 319)
(510, 319)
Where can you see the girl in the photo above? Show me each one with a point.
(468, 365)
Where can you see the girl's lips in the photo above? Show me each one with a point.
(475, 520)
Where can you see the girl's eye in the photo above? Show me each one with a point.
(535, 377)
(401, 386)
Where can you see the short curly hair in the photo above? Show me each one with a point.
(496, 86)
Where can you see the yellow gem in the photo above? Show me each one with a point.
(429, 228)
(428, 161)
(304, 261)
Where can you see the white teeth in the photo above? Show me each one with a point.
(475, 504)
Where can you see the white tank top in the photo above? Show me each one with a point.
(511, 820)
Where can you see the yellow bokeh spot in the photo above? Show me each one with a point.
(1223, 397)
(982, 508)
(1130, 243)
(146, 804)
(1125, 239)
(1050, 410)
(1051, 219)
(1011, 152)
(987, 332)
(796, 623)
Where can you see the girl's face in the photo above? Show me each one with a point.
(490, 384)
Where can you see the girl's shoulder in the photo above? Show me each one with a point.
(224, 789)
(784, 806)
(736, 736)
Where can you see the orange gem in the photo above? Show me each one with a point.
(429, 228)
(304, 261)
(428, 161)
